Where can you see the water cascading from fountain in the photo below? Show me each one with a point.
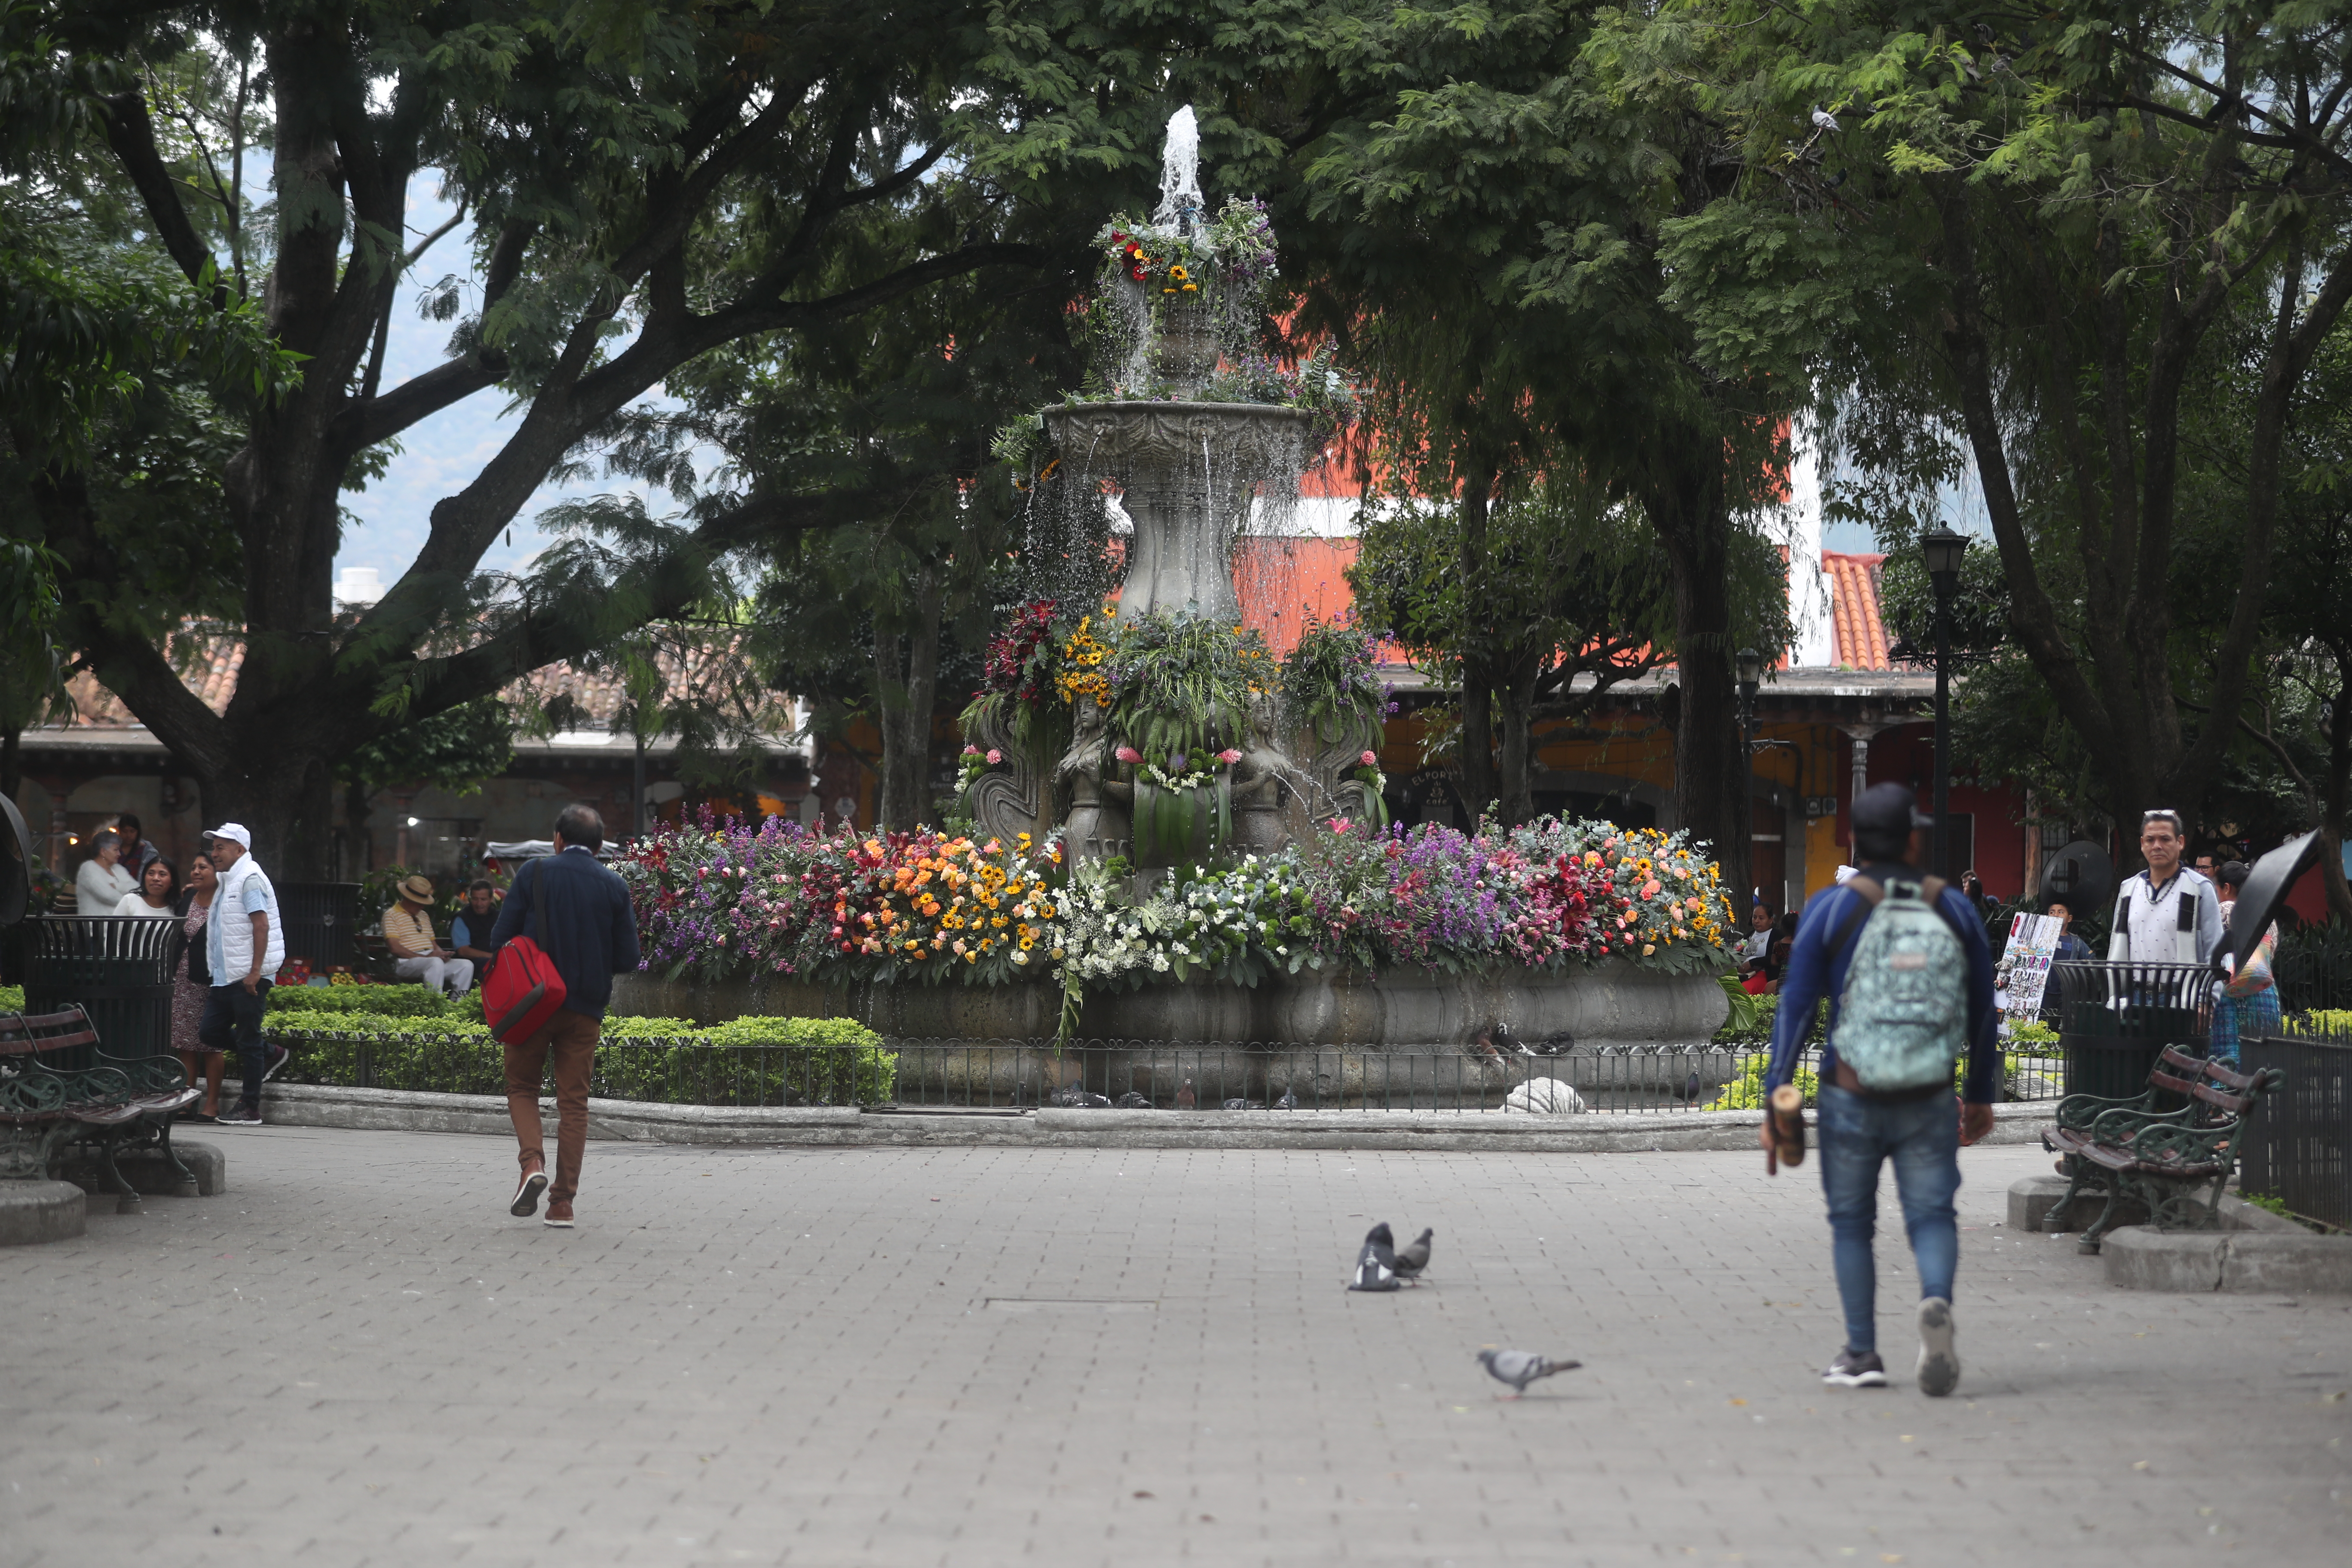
(1185, 442)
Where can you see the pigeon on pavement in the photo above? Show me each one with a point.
(1520, 1368)
(1691, 1089)
(1185, 1098)
(1413, 1257)
(1132, 1100)
(1289, 1100)
(1238, 1103)
(1076, 1099)
(1376, 1264)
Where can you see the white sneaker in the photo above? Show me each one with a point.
(1939, 1365)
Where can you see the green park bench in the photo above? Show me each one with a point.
(58, 1089)
(2162, 1148)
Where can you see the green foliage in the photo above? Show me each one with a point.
(12, 998)
(377, 1001)
(1330, 681)
(1181, 684)
(456, 751)
(1750, 1021)
(1746, 1092)
(747, 1062)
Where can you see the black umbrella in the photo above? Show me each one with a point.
(2080, 877)
(2265, 890)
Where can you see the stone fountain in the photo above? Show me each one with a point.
(1187, 475)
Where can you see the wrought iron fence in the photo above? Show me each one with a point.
(2299, 1149)
(917, 1075)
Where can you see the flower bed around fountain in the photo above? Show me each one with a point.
(1412, 937)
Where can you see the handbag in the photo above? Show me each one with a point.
(522, 992)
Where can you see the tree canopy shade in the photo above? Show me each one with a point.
(2042, 244)
(641, 184)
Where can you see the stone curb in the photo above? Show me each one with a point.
(378, 1109)
(2236, 1261)
(32, 1212)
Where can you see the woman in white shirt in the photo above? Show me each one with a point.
(154, 898)
(101, 884)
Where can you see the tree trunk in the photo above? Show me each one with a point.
(2334, 793)
(1689, 511)
(1515, 701)
(905, 693)
(1480, 785)
(11, 761)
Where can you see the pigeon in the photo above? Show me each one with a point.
(1238, 1103)
(1507, 1042)
(1520, 1368)
(1131, 1101)
(1185, 1098)
(1076, 1099)
(1289, 1100)
(1376, 1264)
(1558, 1044)
(1482, 1047)
(1024, 1094)
(1413, 1257)
(1823, 120)
(1691, 1089)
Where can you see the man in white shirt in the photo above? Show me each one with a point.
(2150, 923)
(245, 947)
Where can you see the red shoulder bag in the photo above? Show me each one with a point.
(522, 992)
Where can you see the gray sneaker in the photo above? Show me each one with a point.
(243, 1116)
(1856, 1369)
(1939, 1365)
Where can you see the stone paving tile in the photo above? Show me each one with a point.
(984, 1356)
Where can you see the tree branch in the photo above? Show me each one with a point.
(131, 135)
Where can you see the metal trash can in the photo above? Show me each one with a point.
(2116, 1018)
(320, 919)
(119, 968)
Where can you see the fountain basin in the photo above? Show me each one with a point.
(1188, 471)
(1613, 1008)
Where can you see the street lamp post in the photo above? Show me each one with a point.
(1943, 549)
(1750, 665)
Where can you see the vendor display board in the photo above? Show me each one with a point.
(2024, 973)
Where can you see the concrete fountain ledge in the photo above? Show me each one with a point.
(639, 1121)
(1612, 1007)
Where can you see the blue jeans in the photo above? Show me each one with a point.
(1923, 1137)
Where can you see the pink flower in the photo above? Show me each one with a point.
(1127, 754)
(1340, 825)
(1650, 888)
(1369, 759)
(995, 756)
(971, 751)
(1229, 756)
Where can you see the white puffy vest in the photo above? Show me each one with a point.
(230, 917)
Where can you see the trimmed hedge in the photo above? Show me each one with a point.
(389, 1001)
(12, 998)
(747, 1061)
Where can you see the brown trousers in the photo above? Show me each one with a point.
(572, 1037)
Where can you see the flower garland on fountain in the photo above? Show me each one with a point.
(723, 898)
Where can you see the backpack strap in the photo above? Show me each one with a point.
(1872, 893)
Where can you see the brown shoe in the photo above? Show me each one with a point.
(559, 1214)
(534, 1181)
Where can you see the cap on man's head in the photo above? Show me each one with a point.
(234, 831)
(417, 888)
(1888, 811)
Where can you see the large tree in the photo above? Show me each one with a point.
(2028, 243)
(640, 185)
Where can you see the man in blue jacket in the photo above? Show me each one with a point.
(1920, 1129)
(577, 910)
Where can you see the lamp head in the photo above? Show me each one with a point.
(1943, 550)
(1751, 670)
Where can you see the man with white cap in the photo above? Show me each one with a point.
(245, 947)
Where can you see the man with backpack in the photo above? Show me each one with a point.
(1903, 959)
(576, 913)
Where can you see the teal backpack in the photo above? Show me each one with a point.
(1902, 1018)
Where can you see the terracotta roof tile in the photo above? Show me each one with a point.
(1856, 626)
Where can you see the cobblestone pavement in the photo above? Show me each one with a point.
(982, 1356)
